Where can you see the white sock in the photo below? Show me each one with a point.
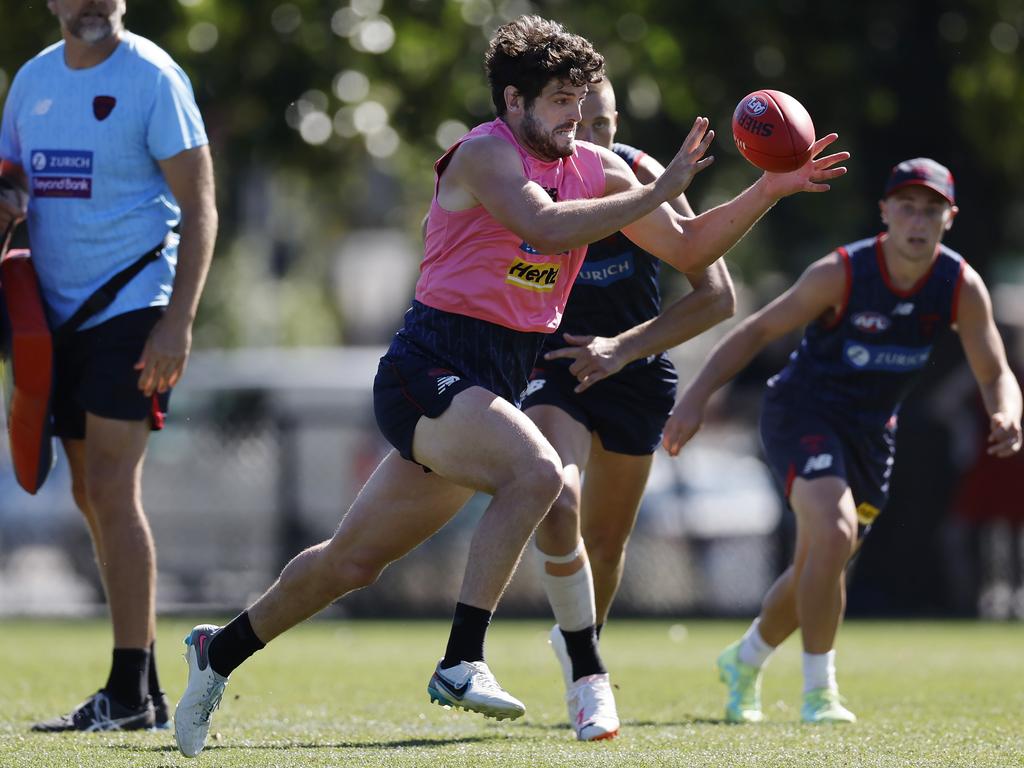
(753, 648)
(571, 597)
(819, 670)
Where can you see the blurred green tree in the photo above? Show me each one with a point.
(327, 116)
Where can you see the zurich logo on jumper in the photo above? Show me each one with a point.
(607, 271)
(61, 172)
(867, 357)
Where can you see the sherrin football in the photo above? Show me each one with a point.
(773, 131)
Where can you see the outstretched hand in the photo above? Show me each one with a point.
(593, 358)
(681, 426)
(809, 177)
(689, 161)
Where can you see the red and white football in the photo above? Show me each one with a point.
(773, 131)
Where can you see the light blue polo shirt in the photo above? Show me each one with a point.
(89, 141)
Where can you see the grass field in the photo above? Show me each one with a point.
(353, 694)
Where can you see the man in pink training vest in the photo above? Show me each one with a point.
(515, 203)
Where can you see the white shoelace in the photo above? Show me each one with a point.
(101, 719)
(212, 697)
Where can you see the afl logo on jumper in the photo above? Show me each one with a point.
(61, 173)
(102, 106)
(871, 322)
(534, 277)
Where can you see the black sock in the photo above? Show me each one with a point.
(128, 683)
(597, 630)
(582, 648)
(233, 644)
(154, 681)
(466, 642)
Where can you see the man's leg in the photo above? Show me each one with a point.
(564, 572)
(612, 493)
(106, 471)
(827, 520)
(480, 443)
(560, 556)
(399, 507)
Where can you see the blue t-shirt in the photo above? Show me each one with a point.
(859, 366)
(89, 141)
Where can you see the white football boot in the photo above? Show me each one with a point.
(590, 700)
(469, 685)
(591, 706)
(202, 693)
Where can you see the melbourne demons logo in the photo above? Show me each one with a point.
(871, 322)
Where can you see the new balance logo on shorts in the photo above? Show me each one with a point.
(444, 382)
(818, 463)
(535, 385)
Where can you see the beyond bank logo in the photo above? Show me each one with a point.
(61, 173)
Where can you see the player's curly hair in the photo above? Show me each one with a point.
(530, 51)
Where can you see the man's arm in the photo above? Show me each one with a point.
(189, 175)
(488, 171)
(647, 170)
(821, 288)
(690, 245)
(711, 301)
(987, 358)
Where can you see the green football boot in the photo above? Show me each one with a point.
(744, 684)
(824, 705)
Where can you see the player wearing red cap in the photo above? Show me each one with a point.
(872, 311)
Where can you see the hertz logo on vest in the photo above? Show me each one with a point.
(534, 277)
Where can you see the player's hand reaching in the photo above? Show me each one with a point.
(682, 425)
(1004, 436)
(593, 358)
(809, 177)
(688, 162)
(164, 357)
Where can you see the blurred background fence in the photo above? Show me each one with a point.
(325, 118)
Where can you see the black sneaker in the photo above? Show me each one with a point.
(101, 713)
(161, 712)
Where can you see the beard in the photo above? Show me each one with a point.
(89, 28)
(541, 142)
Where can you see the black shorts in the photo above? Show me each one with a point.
(627, 411)
(798, 442)
(94, 372)
(435, 356)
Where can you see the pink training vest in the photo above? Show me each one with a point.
(474, 266)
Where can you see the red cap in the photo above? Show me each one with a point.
(924, 172)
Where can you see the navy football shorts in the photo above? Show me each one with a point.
(798, 442)
(435, 356)
(627, 411)
(94, 372)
